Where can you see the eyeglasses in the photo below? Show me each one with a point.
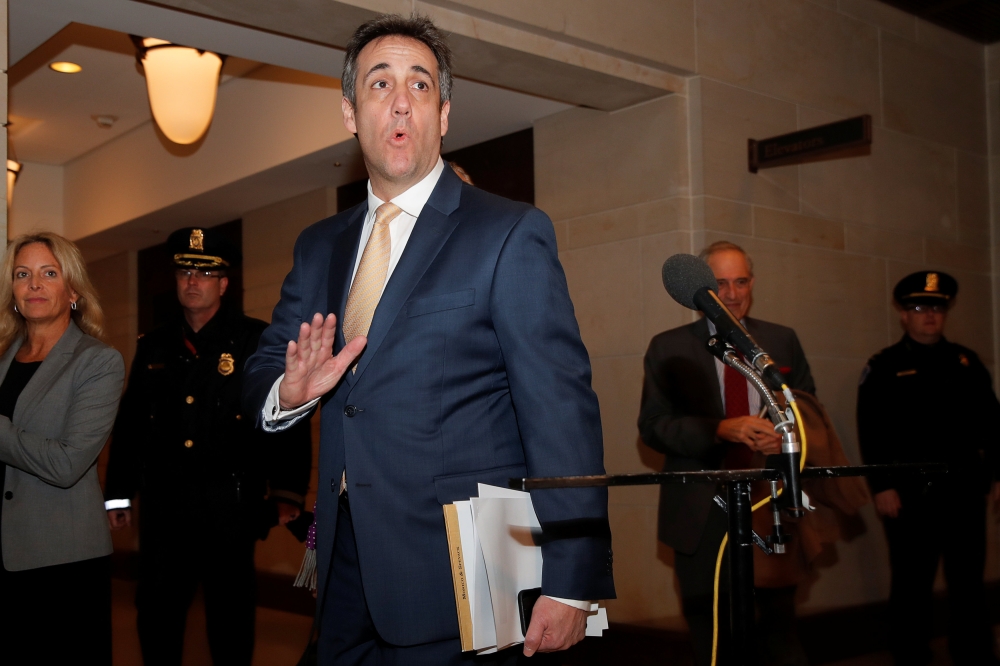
(936, 309)
(187, 274)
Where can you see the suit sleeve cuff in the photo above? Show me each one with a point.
(111, 505)
(276, 419)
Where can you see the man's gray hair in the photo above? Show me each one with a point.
(415, 27)
(723, 246)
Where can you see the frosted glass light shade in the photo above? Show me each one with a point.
(182, 84)
(13, 170)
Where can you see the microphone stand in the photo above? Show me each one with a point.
(737, 505)
(739, 508)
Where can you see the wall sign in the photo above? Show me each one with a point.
(844, 138)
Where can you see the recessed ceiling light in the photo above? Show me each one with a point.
(65, 67)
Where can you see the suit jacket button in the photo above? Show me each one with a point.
(8, 495)
(350, 411)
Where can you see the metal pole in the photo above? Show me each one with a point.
(741, 602)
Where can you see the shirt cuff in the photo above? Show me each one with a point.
(276, 418)
(111, 505)
(582, 605)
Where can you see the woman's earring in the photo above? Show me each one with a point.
(15, 307)
(72, 306)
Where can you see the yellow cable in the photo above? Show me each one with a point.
(715, 605)
(725, 539)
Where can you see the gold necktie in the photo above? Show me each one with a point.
(366, 290)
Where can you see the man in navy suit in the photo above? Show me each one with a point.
(459, 361)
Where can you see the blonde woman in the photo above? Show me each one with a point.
(59, 392)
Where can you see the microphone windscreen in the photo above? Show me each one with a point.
(684, 275)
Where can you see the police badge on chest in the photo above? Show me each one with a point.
(226, 365)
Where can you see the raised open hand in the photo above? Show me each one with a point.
(311, 369)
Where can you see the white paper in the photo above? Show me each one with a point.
(497, 491)
(507, 529)
(484, 635)
(597, 622)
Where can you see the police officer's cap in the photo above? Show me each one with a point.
(926, 288)
(205, 249)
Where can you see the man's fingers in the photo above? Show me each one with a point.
(351, 351)
(533, 639)
(316, 334)
(291, 357)
(329, 335)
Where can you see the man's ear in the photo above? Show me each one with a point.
(223, 285)
(348, 111)
(445, 108)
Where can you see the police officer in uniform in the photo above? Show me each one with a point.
(210, 483)
(926, 399)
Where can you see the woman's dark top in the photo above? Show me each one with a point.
(17, 378)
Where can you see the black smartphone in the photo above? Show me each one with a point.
(525, 602)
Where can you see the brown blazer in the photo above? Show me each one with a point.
(830, 496)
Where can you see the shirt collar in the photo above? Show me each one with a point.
(412, 200)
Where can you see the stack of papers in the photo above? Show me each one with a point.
(494, 541)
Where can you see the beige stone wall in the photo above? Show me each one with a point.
(829, 240)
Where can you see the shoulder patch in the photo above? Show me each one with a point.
(963, 359)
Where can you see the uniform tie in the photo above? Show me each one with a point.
(739, 455)
(366, 290)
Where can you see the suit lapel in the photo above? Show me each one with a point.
(8, 358)
(431, 231)
(62, 353)
(707, 362)
(342, 260)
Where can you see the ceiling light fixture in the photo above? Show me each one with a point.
(13, 171)
(65, 67)
(182, 83)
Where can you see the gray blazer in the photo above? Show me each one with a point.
(53, 508)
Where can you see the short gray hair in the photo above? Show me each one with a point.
(415, 27)
(724, 246)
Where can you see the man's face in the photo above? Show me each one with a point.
(200, 289)
(924, 323)
(398, 115)
(735, 282)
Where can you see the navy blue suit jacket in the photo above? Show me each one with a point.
(474, 372)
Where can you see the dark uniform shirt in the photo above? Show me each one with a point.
(929, 403)
(181, 437)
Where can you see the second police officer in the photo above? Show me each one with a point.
(926, 399)
(210, 484)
